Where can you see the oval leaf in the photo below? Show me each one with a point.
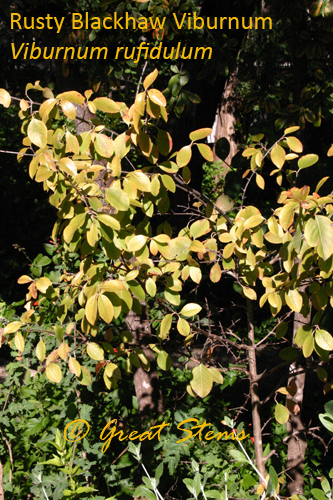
(5, 98)
(184, 156)
(40, 350)
(201, 133)
(37, 133)
(202, 381)
(190, 310)
(324, 340)
(117, 198)
(307, 160)
(95, 351)
(53, 373)
(281, 414)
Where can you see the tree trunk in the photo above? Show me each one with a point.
(146, 383)
(254, 392)
(224, 125)
(296, 431)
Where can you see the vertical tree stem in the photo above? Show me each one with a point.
(254, 393)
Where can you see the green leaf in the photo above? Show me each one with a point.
(117, 198)
(202, 381)
(318, 233)
(307, 160)
(164, 142)
(222, 148)
(190, 310)
(238, 456)
(37, 133)
(164, 361)
(324, 340)
(281, 414)
(327, 421)
(318, 494)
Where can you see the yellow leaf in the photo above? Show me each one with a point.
(260, 181)
(184, 156)
(68, 109)
(95, 351)
(91, 309)
(24, 279)
(249, 293)
(42, 284)
(149, 80)
(190, 310)
(63, 350)
(105, 308)
(104, 145)
(40, 351)
(140, 180)
(5, 98)
(37, 133)
(281, 414)
(278, 156)
(183, 327)
(294, 300)
(157, 97)
(202, 381)
(205, 151)
(53, 373)
(74, 366)
(72, 96)
(201, 133)
(215, 273)
(12, 327)
(19, 341)
(105, 104)
(294, 144)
